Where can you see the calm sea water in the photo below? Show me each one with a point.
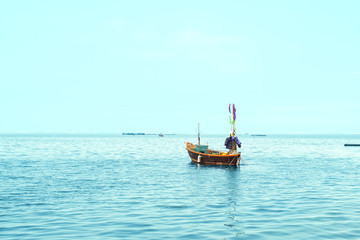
(144, 187)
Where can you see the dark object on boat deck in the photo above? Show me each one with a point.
(351, 145)
(230, 140)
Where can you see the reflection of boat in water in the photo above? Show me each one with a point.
(201, 154)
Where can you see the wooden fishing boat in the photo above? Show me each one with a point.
(200, 154)
(211, 157)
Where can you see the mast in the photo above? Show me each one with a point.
(199, 135)
(233, 125)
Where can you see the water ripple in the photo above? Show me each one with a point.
(117, 187)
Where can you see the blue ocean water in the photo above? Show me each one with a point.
(144, 187)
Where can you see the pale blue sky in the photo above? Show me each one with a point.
(164, 66)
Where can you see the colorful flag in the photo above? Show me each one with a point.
(234, 112)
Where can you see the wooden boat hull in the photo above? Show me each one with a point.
(212, 159)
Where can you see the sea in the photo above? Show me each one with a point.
(68, 186)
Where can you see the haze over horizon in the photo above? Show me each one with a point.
(163, 67)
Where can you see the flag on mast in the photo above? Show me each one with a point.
(234, 112)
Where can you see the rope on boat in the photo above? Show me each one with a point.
(243, 161)
(238, 161)
(232, 161)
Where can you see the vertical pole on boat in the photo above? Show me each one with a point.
(230, 119)
(234, 147)
(199, 135)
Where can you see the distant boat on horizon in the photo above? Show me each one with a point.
(258, 135)
(133, 134)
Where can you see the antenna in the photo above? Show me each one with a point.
(199, 134)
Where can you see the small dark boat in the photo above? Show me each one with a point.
(201, 154)
(351, 145)
(161, 135)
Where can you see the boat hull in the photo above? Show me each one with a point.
(211, 159)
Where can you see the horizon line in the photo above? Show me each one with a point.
(153, 133)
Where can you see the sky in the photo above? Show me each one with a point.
(290, 67)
